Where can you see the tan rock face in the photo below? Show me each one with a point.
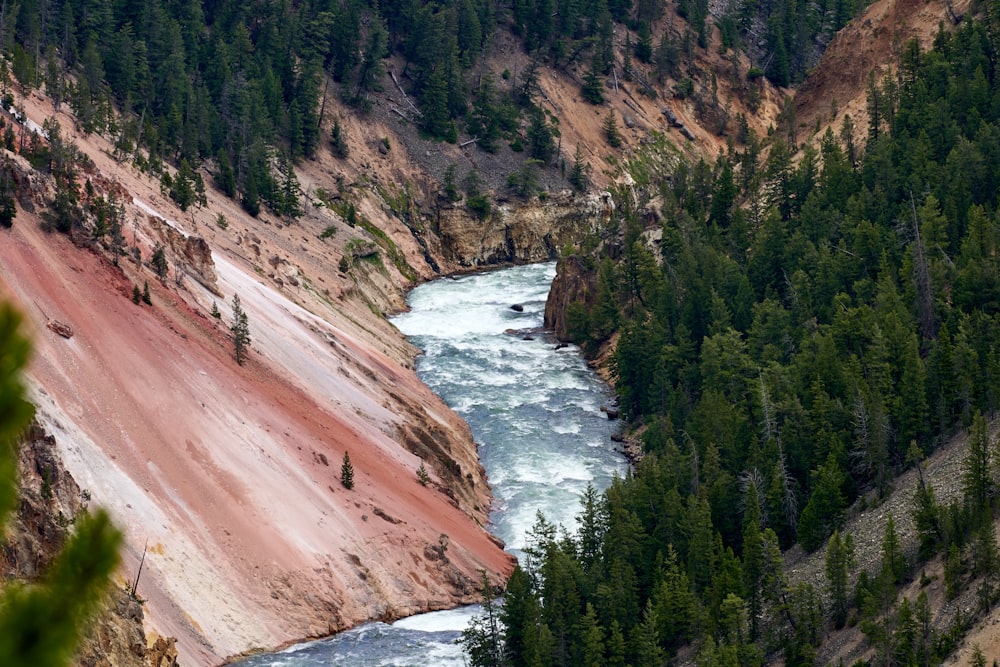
(193, 253)
(534, 231)
(573, 283)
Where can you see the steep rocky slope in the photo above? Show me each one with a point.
(232, 473)
(868, 46)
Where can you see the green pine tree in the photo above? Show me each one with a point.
(240, 329)
(610, 128)
(593, 84)
(839, 560)
(347, 472)
(579, 175)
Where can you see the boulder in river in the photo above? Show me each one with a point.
(517, 308)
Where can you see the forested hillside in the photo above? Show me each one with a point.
(795, 330)
(242, 88)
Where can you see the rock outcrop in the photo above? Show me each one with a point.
(532, 231)
(574, 283)
(49, 500)
(192, 253)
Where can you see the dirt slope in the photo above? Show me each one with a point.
(868, 44)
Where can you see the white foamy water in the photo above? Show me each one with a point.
(535, 412)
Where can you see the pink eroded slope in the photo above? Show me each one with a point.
(253, 542)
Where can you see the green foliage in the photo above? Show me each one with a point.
(450, 185)
(338, 141)
(824, 512)
(894, 566)
(611, 132)
(41, 623)
(159, 262)
(684, 88)
(422, 475)
(839, 561)
(8, 205)
(524, 181)
(541, 137)
(136, 295)
(347, 472)
(240, 328)
(579, 175)
(483, 639)
(593, 84)
(977, 470)
(792, 332)
(146, 297)
(186, 187)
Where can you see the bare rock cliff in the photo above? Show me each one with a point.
(574, 283)
(531, 231)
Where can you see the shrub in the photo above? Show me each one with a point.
(347, 472)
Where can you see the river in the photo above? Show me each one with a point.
(535, 412)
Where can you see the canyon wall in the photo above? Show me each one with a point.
(230, 473)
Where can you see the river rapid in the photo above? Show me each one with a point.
(533, 409)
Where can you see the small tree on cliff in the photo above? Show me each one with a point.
(241, 331)
(347, 472)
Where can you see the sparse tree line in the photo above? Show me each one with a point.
(804, 331)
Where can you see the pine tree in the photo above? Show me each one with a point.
(435, 118)
(592, 638)
(839, 560)
(579, 176)
(450, 185)
(541, 142)
(159, 262)
(644, 47)
(520, 616)
(825, 510)
(977, 472)
(146, 296)
(610, 127)
(893, 560)
(593, 83)
(616, 646)
(338, 141)
(347, 472)
(136, 295)
(482, 640)
(240, 329)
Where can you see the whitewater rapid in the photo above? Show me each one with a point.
(534, 410)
